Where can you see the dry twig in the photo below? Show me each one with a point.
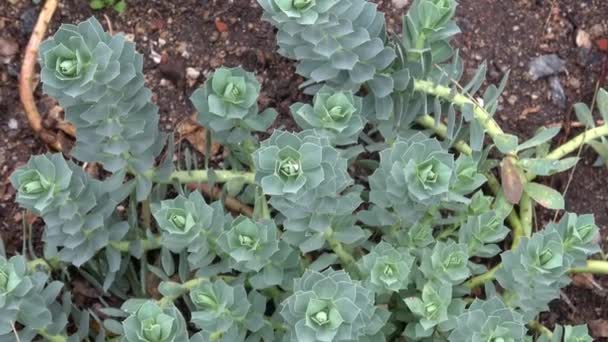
(26, 91)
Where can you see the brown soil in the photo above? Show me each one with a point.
(186, 33)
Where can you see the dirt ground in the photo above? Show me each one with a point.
(184, 40)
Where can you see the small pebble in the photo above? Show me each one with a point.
(13, 124)
(399, 4)
(512, 100)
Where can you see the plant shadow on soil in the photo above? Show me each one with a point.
(187, 34)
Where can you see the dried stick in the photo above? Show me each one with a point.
(26, 91)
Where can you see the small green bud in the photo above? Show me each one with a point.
(232, 93)
(247, 241)
(430, 309)
(68, 67)
(336, 113)
(178, 221)
(33, 187)
(545, 256)
(289, 167)
(204, 300)
(152, 330)
(321, 318)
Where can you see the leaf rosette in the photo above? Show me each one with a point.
(181, 220)
(340, 42)
(387, 268)
(43, 183)
(447, 262)
(330, 306)
(535, 271)
(21, 297)
(97, 78)
(250, 244)
(413, 175)
(489, 320)
(218, 305)
(79, 215)
(153, 323)
(302, 12)
(431, 308)
(227, 104)
(335, 113)
(291, 163)
(580, 236)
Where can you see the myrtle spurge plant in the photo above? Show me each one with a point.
(382, 219)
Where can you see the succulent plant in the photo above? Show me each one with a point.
(153, 323)
(410, 231)
(339, 42)
(182, 220)
(579, 235)
(330, 306)
(250, 244)
(446, 262)
(489, 320)
(432, 306)
(387, 268)
(43, 183)
(21, 296)
(227, 105)
(97, 78)
(79, 216)
(414, 175)
(335, 113)
(481, 233)
(290, 164)
(535, 271)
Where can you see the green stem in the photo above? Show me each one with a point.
(441, 130)
(482, 278)
(202, 176)
(51, 338)
(575, 143)
(593, 266)
(483, 117)
(124, 246)
(525, 212)
(346, 259)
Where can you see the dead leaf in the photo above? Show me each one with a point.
(599, 327)
(585, 280)
(220, 25)
(196, 135)
(512, 184)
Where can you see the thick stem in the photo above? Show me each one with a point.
(575, 143)
(201, 176)
(482, 278)
(593, 266)
(441, 130)
(123, 246)
(526, 208)
(52, 338)
(346, 259)
(460, 100)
